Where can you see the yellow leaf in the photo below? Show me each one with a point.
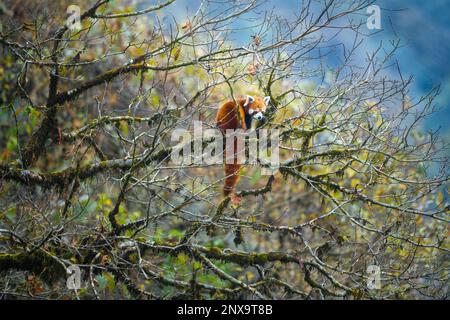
(155, 100)
(354, 182)
(176, 53)
(439, 198)
(124, 127)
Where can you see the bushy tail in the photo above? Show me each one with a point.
(231, 178)
(231, 172)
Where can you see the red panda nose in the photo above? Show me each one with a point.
(259, 116)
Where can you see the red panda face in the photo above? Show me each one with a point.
(256, 107)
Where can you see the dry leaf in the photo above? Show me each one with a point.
(187, 26)
(176, 54)
(252, 69)
(256, 40)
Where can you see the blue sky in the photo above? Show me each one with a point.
(424, 29)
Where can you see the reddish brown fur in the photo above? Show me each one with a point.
(228, 118)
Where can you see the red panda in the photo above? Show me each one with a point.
(234, 116)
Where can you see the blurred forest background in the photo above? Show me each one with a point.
(86, 177)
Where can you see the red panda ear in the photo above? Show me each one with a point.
(266, 100)
(249, 99)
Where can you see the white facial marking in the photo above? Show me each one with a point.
(258, 116)
(250, 110)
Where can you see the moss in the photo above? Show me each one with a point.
(322, 119)
(247, 258)
(215, 251)
(238, 236)
(332, 154)
(297, 133)
(39, 262)
(260, 258)
(61, 178)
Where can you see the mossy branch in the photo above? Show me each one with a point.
(60, 178)
(38, 262)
